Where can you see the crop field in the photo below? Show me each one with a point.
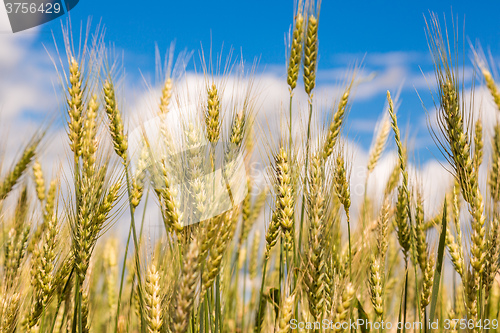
(288, 252)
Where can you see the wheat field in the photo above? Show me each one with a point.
(233, 255)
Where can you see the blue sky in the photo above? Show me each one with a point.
(389, 35)
(346, 27)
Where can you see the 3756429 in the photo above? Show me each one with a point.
(32, 7)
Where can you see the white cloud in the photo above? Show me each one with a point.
(26, 73)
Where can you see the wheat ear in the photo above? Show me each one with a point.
(284, 195)
(336, 124)
(212, 114)
(75, 106)
(494, 172)
(286, 314)
(478, 144)
(455, 252)
(310, 53)
(427, 278)
(119, 138)
(314, 275)
(166, 94)
(295, 51)
(153, 300)
(379, 145)
(403, 229)
(110, 261)
(42, 272)
(421, 238)
(492, 87)
(375, 282)
(343, 306)
(10, 312)
(13, 176)
(492, 257)
(184, 299)
(39, 180)
(451, 116)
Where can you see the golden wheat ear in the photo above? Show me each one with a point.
(212, 114)
(310, 53)
(481, 62)
(344, 304)
(296, 49)
(11, 179)
(166, 95)
(9, 310)
(286, 314)
(75, 106)
(186, 291)
(337, 123)
(494, 171)
(420, 234)
(492, 87)
(152, 296)
(379, 143)
(375, 283)
(316, 259)
(42, 272)
(116, 128)
(39, 180)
